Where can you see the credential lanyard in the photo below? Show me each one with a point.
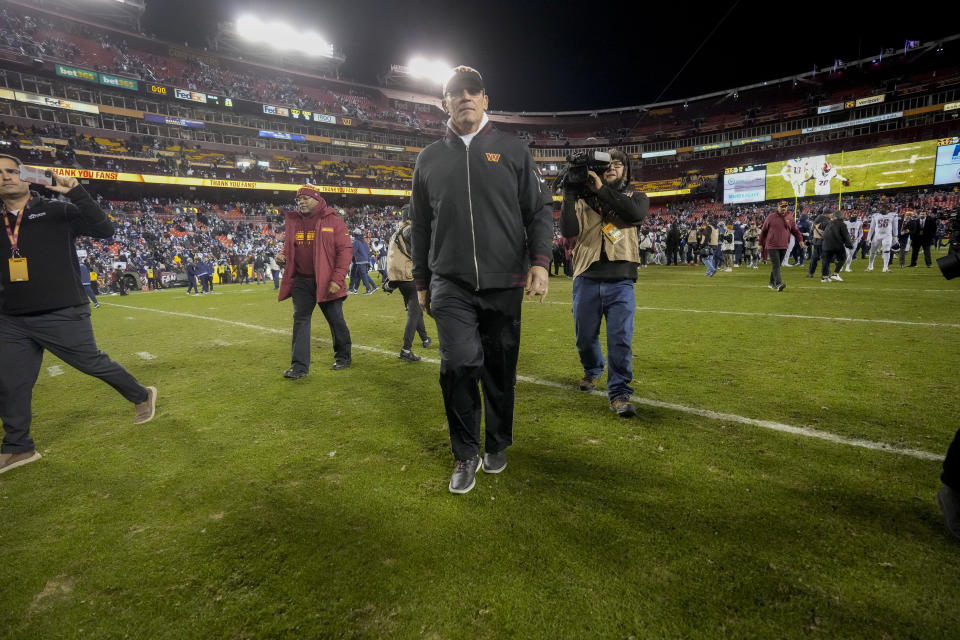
(14, 235)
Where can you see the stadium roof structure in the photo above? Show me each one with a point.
(123, 13)
(809, 77)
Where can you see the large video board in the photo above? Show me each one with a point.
(948, 161)
(744, 184)
(896, 166)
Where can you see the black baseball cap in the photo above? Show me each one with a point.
(463, 77)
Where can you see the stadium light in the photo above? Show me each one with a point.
(436, 71)
(282, 36)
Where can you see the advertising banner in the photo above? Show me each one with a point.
(282, 136)
(177, 122)
(120, 83)
(77, 74)
(830, 108)
(57, 103)
(323, 117)
(116, 176)
(192, 96)
(270, 109)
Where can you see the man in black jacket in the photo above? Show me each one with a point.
(482, 227)
(43, 306)
(922, 232)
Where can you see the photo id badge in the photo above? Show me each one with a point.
(18, 270)
(613, 234)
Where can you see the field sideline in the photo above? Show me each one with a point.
(777, 482)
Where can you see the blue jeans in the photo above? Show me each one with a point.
(708, 262)
(592, 301)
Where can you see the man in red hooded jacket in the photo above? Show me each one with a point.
(316, 255)
(775, 235)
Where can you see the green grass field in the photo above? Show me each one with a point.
(258, 507)
(890, 167)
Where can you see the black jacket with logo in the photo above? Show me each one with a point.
(47, 236)
(481, 215)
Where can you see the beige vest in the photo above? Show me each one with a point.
(399, 266)
(591, 238)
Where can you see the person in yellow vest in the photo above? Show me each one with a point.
(604, 219)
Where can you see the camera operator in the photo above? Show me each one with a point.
(400, 276)
(603, 216)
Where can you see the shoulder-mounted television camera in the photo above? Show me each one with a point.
(950, 264)
(573, 177)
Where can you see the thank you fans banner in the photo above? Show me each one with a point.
(143, 178)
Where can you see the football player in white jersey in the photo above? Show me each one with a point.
(822, 175)
(796, 171)
(883, 229)
(855, 229)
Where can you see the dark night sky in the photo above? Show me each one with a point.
(538, 56)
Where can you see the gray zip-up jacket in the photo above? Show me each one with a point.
(481, 215)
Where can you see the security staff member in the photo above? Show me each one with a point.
(481, 214)
(605, 263)
(43, 305)
(400, 276)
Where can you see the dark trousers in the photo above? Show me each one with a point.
(479, 344)
(90, 294)
(304, 300)
(415, 323)
(66, 333)
(815, 256)
(916, 250)
(738, 252)
(951, 464)
(776, 257)
(192, 284)
(839, 256)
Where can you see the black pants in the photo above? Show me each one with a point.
(479, 343)
(815, 256)
(304, 301)
(916, 250)
(839, 256)
(951, 464)
(67, 334)
(414, 313)
(776, 257)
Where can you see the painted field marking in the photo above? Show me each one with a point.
(790, 316)
(706, 413)
(144, 355)
(55, 370)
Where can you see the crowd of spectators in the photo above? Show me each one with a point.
(36, 36)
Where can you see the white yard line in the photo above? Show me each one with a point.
(790, 316)
(55, 370)
(705, 413)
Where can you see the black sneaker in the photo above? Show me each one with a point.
(294, 374)
(409, 356)
(465, 474)
(623, 407)
(781, 287)
(342, 364)
(427, 342)
(494, 462)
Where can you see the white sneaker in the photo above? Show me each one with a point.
(885, 270)
(848, 270)
(836, 277)
(869, 269)
(728, 269)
